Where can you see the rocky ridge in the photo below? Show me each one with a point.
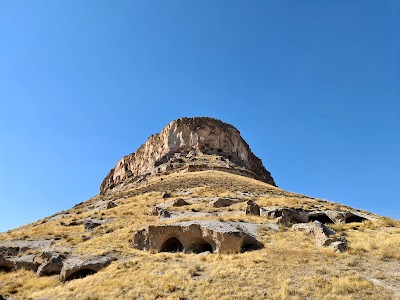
(188, 145)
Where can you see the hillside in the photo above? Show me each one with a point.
(215, 232)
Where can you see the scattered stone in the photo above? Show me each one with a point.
(180, 202)
(166, 195)
(252, 208)
(72, 223)
(323, 235)
(195, 236)
(5, 264)
(74, 268)
(111, 204)
(339, 246)
(222, 202)
(160, 212)
(89, 225)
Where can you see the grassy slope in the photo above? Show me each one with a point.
(290, 266)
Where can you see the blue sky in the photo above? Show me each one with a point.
(313, 86)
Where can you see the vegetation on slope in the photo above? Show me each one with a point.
(290, 266)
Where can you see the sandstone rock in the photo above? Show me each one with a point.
(13, 248)
(323, 235)
(290, 215)
(5, 264)
(180, 202)
(190, 138)
(50, 263)
(166, 195)
(89, 225)
(111, 204)
(161, 212)
(26, 262)
(74, 268)
(339, 246)
(252, 208)
(222, 202)
(195, 236)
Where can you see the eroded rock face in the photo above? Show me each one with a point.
(74, 268)
(285, 216)
(195, 236)
(189, 144)
(50, 263)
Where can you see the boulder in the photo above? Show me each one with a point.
(252, 208)
(180, 202)
(195, 236)
(50, 263)
(323, 235)
(89, 225)
(74, 268)
(166, 195)
(6, 264)
(111, 204)
(222, 202)
(285, 216)
(339, 246)
(160, 212)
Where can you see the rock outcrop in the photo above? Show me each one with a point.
(195, 236)
(252, 208)
(185, 145)
(74, 268)
(285, 216)
(324, 236)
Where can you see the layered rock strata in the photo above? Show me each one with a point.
(187, 145)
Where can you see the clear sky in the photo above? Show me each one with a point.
(313, 86)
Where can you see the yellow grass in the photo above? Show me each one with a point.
(290, 266)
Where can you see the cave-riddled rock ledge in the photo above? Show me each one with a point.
(197, 237)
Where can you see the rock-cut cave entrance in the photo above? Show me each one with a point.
(355, 219)
(201, 246)
(171, 245)
(323, 218)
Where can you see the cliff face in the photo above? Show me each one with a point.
(189, 144)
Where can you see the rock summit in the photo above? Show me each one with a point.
(188, 145)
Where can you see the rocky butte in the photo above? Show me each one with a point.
(188, 145)
(159, 229)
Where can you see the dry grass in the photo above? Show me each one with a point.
(289, 266)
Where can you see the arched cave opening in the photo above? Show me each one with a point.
(201, 246)
(323, 218)
(355, 219)
(171, 245)
(250, 245)
(80, 274)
